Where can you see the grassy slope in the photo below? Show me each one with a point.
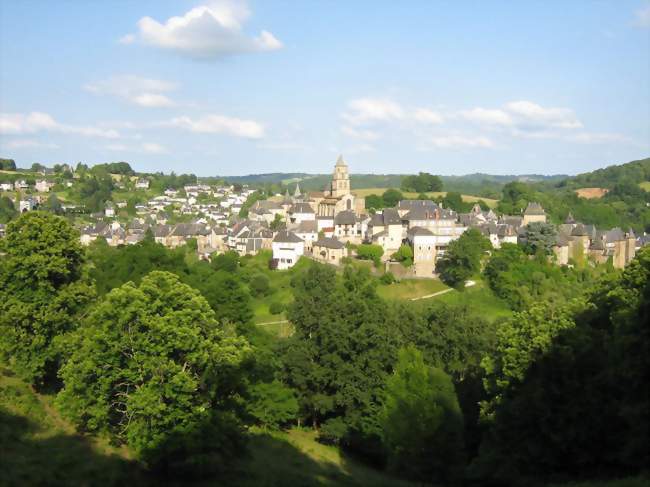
(468, 198)
(480, 298)
(410, 288)
(38, 447)
(645, 185)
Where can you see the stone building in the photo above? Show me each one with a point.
(337, 196)
(329, 250)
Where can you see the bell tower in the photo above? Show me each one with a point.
(341, 179)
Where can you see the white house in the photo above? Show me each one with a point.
(21, 184)
(287, 249)
(109, 210)
(43, 186)
(6, 187)
(142, 183)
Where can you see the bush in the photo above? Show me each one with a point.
(370, 252)
(259, 285)
(387, 278)
(276, 308)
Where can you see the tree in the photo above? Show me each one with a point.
(272, 404)
(277, 223)
(228, 261)
(539, 237)
(370, 252)
(374, 202)
(167, 368)
(463, 258)
(422, 183)
(41, 293)
(343, 347)
(391, 197)
(7, 164)
(421, 421)
(404, 255)
(259, 285)
(7, 210)
(36, 167)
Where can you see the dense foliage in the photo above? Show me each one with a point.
(463, 258)
(422, 183)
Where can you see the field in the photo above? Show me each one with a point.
(434, 194)
(591, 193)
(410, 288)
(38, 447)
(645, 185)
(479, 298)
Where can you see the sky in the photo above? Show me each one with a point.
(231, 87)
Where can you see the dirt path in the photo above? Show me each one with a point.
(467, 284)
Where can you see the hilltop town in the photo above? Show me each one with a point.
(327, 226)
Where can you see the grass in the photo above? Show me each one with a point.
(466, 197)
(38, 447)
(296, 458)
(410, 288)
(645, 185)
(479, 297)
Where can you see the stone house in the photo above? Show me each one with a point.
(534, 213)
(423, 242)
(329, 250)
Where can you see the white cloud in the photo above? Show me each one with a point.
(642, 17)
(365, 110)
(147, 148)
(19, 123)
(453, 141)
(535, 115)
(359, 133)
(144, 92)
(152, 148)
(219, 124)
(424, 115)
(483, 115)
(29, 143)
(597, 138)
(127, 39)
(205, 32)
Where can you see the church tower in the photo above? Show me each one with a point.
(340, 180)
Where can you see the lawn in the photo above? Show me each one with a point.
(645, 185)
(296, 458)
(466, 197)
(479, 298)
(410, 288)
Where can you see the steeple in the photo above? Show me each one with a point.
(297, 193)
(287, 197)
(340, 161)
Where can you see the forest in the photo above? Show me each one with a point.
(153, 354)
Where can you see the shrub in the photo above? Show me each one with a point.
(276, 308)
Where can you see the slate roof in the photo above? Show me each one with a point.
(330, 243)
(534, 208)
(285, 236)
(301, 208)
(345, 218)
(411, 204)
(306, 226)
(420, 232)
(391, 217)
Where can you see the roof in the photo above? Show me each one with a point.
(189, 230)
(579, 231)
(286, 236)
(340, 161)
(306, 226)
(391, 217)
(301, 208)
(420, 232)
(534, 208)
(345, 218)
(330, 243)
(410, 204)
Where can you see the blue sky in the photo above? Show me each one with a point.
(229, 87)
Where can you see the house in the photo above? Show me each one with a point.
(6, 187)
(248, 237)
(498, 233)
(534, 213)
(43, 186)
(386, 229)
(300, 212)
(27, 204)
(20, 184)
(308, 232)
(287, 249)
(423, 242)
(329, 250)
(109, 210)
(142, 183)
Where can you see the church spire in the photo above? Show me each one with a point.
(297, 193)
(340, 161)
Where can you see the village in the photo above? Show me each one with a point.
(326, 226)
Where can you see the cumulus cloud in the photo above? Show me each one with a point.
(20, 123)
(359, 133)
(642, 17)
(453, 141)
(147, 148)
(484, 115)
(533, 115)
(424, 115)
(205, 32)
(144, 92)
(219, 124)
(29, 144)
(365, 110)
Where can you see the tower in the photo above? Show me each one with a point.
(340, 180)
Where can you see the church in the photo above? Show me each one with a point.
(337, 196)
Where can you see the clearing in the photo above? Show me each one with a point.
(591, 193)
